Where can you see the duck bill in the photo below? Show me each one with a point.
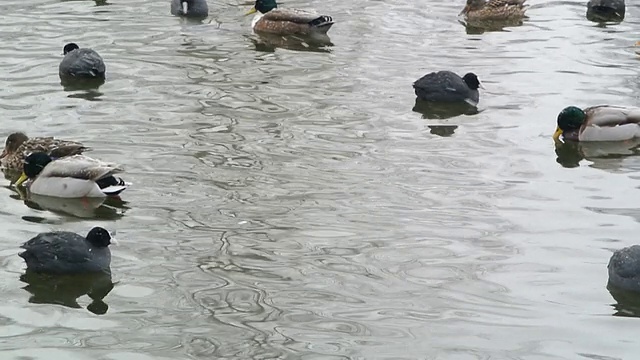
(557, 134)
(185, 7)
(251, 11)
(464, 11)
(21, 179)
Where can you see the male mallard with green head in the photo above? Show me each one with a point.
(18, 146)
(272, 20)
(598, 123)
(494, 10)
(75, 176)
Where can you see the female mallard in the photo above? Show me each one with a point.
(494, 10)
(18, 146)
(598, 123)
(71, 177)
(287, 21)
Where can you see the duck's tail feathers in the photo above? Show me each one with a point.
(322, 22)
(112, 186)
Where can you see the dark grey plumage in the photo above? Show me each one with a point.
(81, 63)
(195, 8)
(606, 10)
(64, 252)
(624, 268)
(446, 86)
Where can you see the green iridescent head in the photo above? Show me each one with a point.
(570, 118)
(263, 6)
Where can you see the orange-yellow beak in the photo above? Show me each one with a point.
(556, 135)
(251, 11)
(464, 11)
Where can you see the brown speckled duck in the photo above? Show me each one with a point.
(494, 10)
(18, 146)
(272, 20)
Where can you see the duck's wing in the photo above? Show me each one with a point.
(56, 148)
(67, 150)
(610, 115)
(504, 3)
(298, 17)
(79, 167)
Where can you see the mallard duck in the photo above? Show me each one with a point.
(71, 177)
(18, 146)
(624, 268)
(598, 123)
(446, 86)
(63, 252)
(81, 63)
(287, 21)
(190, 8)
(495, 10)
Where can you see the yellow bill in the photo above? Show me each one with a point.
(22, 179)
(556, 135)
(251, 11)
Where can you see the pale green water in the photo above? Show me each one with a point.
(290, 204)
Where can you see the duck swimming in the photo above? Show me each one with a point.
(494, 10)
(277, 21)
(18, 146)
(598, 123)
(71, 177)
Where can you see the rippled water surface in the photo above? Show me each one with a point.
(289, 203)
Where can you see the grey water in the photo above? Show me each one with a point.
(289, 203)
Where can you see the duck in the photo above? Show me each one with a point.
(81, 63)
(603, 10)
(624, 268)
(446, 86)
(65, 252)
(190, 8)
(287, 21)
(18, 146)
(598, 123)
(494, 10)
(76, 176)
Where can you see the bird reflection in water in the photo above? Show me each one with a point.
(269, 43)
(602, 154)
(66, 289)
(434, 110)
(627, 302)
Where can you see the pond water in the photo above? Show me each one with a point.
(289, 203)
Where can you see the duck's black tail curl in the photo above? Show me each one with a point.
(321, 21)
